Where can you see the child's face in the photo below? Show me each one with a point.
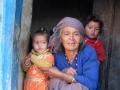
(92, 29)
(40, 43)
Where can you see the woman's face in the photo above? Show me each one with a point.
(92, 29)
(70, 38)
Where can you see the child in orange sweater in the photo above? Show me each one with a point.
(41, 60)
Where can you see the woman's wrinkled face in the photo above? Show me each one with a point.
(70, 38)
(92, 29)
(40, 43)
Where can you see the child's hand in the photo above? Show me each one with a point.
(27, 62)
(53, 72)
(27, 59)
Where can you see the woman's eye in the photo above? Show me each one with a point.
(66, 33)
(77, 34)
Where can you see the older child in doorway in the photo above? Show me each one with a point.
(93, 28)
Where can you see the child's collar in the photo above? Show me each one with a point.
(91, 40)
(39, 53)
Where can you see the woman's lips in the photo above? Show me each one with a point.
(71, 43)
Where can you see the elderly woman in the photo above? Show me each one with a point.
(77, 63)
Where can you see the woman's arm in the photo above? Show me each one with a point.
(90, 74)
(54, 72)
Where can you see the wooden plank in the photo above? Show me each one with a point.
(6, 42)
(24, 37)
(1, 40)
(15, 61)
(105, 9)
(109, 10)
(114, 79)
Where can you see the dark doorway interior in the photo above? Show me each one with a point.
(48, 12)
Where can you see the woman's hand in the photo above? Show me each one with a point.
(55, 73)
(70, 71)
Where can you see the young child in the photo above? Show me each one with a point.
(41, 59)
(93, 28)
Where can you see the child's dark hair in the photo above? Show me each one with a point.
(95, 19)
(40, 31)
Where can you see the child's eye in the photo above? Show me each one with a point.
(90, 27)
(36, 42)
(97, 29)
(44, 42)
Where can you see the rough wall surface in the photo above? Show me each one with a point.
(109, 12)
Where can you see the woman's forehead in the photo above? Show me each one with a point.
(69, 29)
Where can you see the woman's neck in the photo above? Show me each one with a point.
(71, 54)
